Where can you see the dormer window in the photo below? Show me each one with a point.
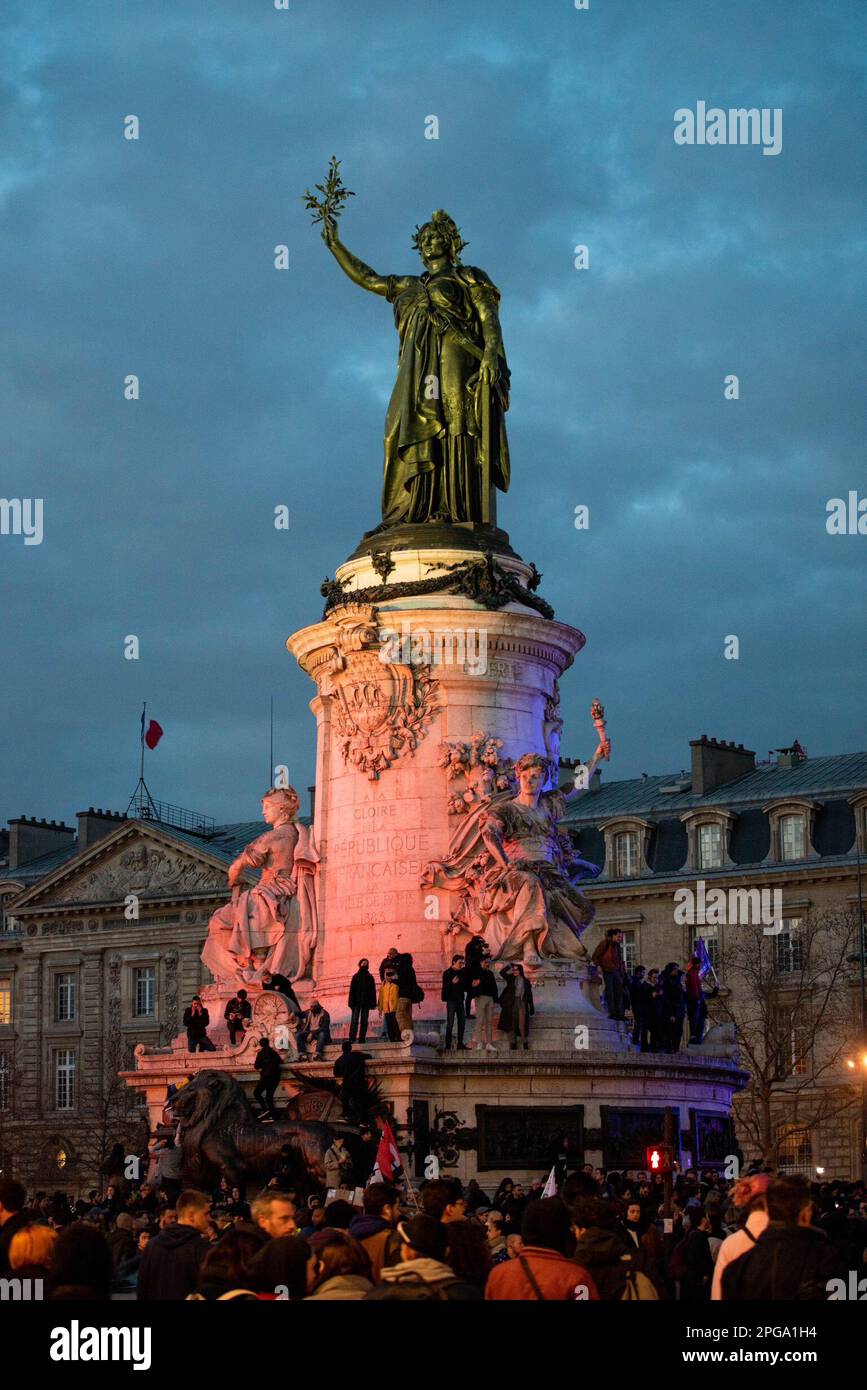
(626, 841)
(710, 846)
(708, 837)
(626, 854)
(793, 837)
(792, 820)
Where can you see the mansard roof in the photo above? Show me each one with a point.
(823, 778)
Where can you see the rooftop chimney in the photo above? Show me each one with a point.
(715, 762)
(30, 838)
(95, 825)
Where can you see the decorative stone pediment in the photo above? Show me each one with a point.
(145, 863)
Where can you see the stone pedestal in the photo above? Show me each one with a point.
(396, 679)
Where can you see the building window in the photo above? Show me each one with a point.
(790, 946)
(793, 837)
(144, 979)
(794, 1151)
(710, 846)
(64, 1078)
(5, 999)
(64, 998)
(5, 1082)
(626, 854)
(628, 947)
(791, 1040)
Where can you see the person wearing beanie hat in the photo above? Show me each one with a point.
(750, 1195)
(422, 1271)
(543, 1270)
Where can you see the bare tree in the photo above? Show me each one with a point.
(791, 1000)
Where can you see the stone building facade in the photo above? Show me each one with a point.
(102, 929)
(794, 824)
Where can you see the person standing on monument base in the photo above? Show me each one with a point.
(608, 956)
(696, 1006)
(387, 1004)
(483, 991)
(516, 1005)
(408, 991)
(362, 998)
(268, 1065)
(454, 988)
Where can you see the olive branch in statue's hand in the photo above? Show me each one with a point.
(328, 209)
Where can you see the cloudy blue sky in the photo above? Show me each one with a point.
(261, 387)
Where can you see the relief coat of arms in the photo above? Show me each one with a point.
(381, 707)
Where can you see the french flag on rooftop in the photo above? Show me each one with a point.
(152, 734)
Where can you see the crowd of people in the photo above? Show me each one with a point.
(660, 1001)
(602, 1237)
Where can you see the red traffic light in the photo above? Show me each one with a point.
(659, 1158)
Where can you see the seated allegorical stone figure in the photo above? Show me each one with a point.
(516, 873)
(272, 926)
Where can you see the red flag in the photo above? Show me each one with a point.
(387, 1156)
(154, 734)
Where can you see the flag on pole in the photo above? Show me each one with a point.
(700, 950)
(387, 1164)
(152, 734)
(550, 1188)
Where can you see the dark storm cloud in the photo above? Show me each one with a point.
(259, 387)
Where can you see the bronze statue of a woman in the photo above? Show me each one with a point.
(445, 438)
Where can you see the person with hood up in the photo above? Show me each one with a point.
(423, 1271)
(611, 1260)
(170, 1265)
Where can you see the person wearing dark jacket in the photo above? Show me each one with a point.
(607, 1255)
(697, 1259)
(482, 991)
(635, 992)
(278, 984)
(350, 1069)
(268, 1065)
(169, 1267)
(696, 1006)
(673, 1006)
(196, 1020)
(362, 998)
(453, 993)
(388, 962)
(408, 992)
(791, 1260)
(13, 1217)
(653, 1012)
(516, 1005)
(314, 1031)
(237, 1009)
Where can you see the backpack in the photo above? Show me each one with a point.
(638, 1286)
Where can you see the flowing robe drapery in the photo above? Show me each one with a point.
(445, 437)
